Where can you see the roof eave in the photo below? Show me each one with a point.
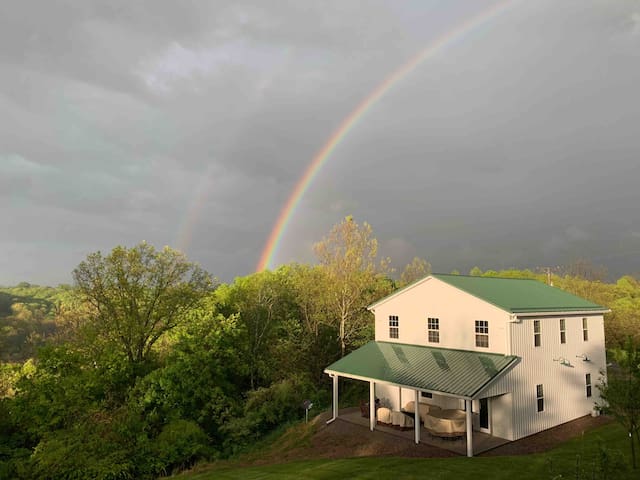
(410, 387)
(560, 313)
(499, 376)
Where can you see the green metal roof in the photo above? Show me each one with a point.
(519, 295)
(457, 372)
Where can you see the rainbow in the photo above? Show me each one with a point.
(350, 121)
(197, 204)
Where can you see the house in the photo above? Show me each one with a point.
(512, 356)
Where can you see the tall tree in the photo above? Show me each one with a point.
(349, 255)
(138, 294)
(417, 269)
(261, 301)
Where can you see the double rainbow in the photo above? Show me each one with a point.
(350, 121)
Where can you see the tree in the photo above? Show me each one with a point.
(355, 278)
(138, 294)
(417, 269)
(620, 392)
(261, 301)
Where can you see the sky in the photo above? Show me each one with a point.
(188, 124)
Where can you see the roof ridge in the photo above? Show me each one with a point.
(484, 277)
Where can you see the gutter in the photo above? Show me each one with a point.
(575, 313)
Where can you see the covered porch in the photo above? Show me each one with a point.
(448, 374)
(482, 442)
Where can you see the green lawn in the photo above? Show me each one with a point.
(581, 454)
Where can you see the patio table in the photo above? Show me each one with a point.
(446, 423)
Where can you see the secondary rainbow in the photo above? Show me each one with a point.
(350, 121)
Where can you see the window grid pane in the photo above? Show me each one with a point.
(585, 330)
(433, 330)
(482, 333)
(537, 337)
(587, 379)
(540, 398)
(393, 326)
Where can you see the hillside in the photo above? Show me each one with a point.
(343, 449)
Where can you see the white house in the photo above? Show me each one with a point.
(516, 355)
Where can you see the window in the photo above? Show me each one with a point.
(426, 394)
(585, 330)
(393, 326)
(433, 330)
(482, 333)
(537, 341)
(587, 381)
(540, 397)
(563, 330)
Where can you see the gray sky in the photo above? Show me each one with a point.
(188, 124)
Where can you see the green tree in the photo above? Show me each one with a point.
(262, 303)
(620, 392)
(138, 294)
(417, 269)
(349, 255)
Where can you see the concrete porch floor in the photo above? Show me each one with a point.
(482, 442)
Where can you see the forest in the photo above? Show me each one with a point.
(147, 364)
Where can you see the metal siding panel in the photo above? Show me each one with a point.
(564, 388)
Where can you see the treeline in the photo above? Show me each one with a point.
(151, 365)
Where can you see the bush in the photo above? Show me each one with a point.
(180, 444)
(268, 408)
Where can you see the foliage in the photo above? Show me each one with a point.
(417, 269)
(179, 445)
(349, 256)
(266, 408)
(620, 393)
(199, 380)
(262, 302)
(138, 294)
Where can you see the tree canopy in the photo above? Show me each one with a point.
(137, 294)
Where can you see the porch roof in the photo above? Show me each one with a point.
(459, 373)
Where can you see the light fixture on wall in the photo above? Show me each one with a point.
(583, 357)
(563, 361)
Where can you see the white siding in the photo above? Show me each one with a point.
(502, 416)
(456, 310)
(564, 385)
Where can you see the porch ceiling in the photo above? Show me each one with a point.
(459, 373)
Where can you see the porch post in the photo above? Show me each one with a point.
(416, 416)
(372, 405)
(469, 404)
(335, 396)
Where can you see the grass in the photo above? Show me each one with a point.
(580, 458)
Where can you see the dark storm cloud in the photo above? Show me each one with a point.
(125, 121)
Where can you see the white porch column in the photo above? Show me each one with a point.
(416, 416)
(335, 396)
(372, 405)
(468, 405)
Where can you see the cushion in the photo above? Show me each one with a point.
(384, 415)
(423, 408)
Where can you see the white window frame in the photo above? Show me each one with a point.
(482, 333)
(587, 381)
(540, 398)
(394, 326)
(563, 330)
(585, 329)
(433, 330)
(537, 333)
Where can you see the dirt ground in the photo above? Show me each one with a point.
(342, 439)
